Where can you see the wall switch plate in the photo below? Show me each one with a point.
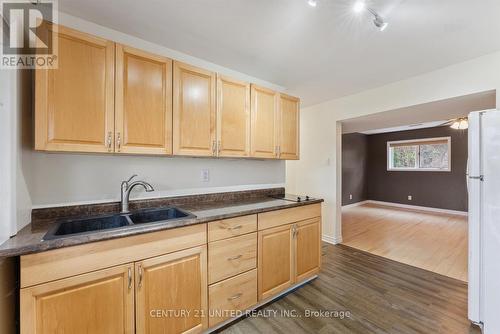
(350, 196)
(410, 197)
(205, 175)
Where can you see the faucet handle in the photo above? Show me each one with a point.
(130, 179)
(125, 183)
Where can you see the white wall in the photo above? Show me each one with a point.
(70, 178)
(48, 179)
(7, 152)
(318, 171)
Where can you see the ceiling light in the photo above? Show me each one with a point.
(464, 124)
(359, 6)
(460, 124)
(312, 3)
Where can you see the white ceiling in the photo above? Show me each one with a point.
(422, 115)
(318, 53)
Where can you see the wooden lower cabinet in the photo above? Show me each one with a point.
(171, 296)
(171, 292)
(275, 261)
(164, 287)
(287, 255)
(307, 248)
(100, 302)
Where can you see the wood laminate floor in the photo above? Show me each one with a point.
(428, 240)
(381, 296)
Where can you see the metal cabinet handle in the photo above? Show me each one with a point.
(129, 278)
(276, 151)
(140, 276)
(118, 141)
(109, 140)
(237, 227)
(218, 147)
(214, 147)
(234, 257)
(236, 296)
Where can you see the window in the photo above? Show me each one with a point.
(430, 154)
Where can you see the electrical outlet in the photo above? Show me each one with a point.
(350, 196)
(205, 175)
(410, 197)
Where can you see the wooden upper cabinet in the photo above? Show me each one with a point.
(100, 302)
(233, 117)
(143, 114)
(289, 108)
(194, 111)
(176, 282)
(264, 118)
(307, 248)
(74, 104)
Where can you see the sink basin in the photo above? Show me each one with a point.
(85, 225)
(82, 226)
(158, 215)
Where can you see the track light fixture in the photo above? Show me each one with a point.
(378, 20)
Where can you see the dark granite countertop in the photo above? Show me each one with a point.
(30, 238)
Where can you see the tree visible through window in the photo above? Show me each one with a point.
(431, 154)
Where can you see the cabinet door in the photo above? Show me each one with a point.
(289, 127)
(143, 115)
(171, 292)
(194, 111)
(264, 117)
(74, 104)
(307, 238)
(233, 118)
(98, 302)
(275, 266)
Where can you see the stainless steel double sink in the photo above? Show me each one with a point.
(87, 225)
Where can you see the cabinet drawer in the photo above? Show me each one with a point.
(234, 294)
(287, 216)
(230, 257)
(233, 227)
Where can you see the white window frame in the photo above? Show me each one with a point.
(415, 142)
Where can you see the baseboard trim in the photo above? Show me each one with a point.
(354, 204)
(331, 240)
(420, 208)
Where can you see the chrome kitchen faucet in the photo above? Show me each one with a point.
(127, 187)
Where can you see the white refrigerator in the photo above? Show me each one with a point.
(484, 220)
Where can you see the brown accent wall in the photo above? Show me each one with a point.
(354, 167)
(444, 190)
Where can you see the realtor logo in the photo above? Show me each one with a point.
(28, 35)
